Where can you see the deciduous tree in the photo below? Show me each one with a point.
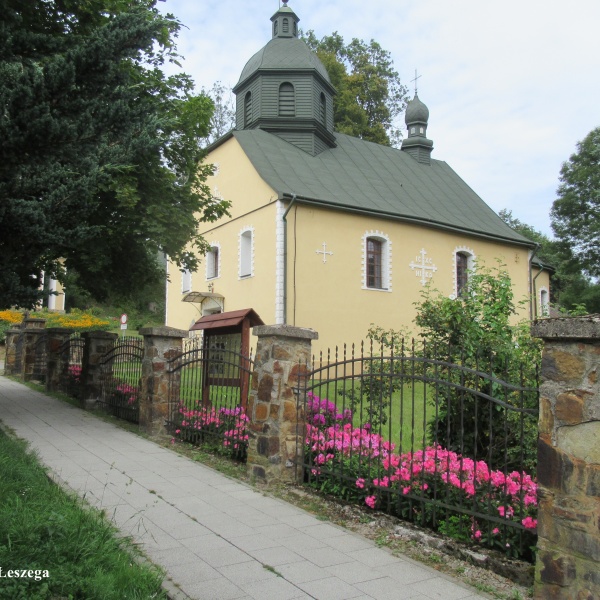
(370, 95)
(576, 212)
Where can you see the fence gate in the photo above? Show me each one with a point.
(40, 357)
(120, 373)
(429, 435)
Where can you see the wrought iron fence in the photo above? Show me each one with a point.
(71, 358)
(428, 435)
(40, 355)
(120, 373)
(208, 393)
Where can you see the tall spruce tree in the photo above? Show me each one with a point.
(99, 149)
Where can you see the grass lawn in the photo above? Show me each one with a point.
(42, 528)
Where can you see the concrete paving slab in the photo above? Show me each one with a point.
(217, 538)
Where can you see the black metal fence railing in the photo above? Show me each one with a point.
(428, 435)
(71, 357)
(40, 357)
(208, 393)
(120, 373)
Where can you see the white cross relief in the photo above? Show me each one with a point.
(423, 266)
(324, 252)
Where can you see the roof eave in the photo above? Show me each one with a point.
(404, 218)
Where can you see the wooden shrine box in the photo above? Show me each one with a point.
(226, 350)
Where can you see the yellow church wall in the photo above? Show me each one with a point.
(252, 207)
(236, 180)
(256, 291)
(329, 296)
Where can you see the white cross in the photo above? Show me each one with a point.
(424, 267)
(324, 252)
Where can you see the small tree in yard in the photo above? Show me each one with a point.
(475, 331)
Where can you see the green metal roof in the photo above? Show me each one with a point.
(368, 178)
(283, 54)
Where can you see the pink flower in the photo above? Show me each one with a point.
(529, 522)
(371, 501)
(360, 483)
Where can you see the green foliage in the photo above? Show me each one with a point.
(475, 331)
(576, 212)
(99, 149)
(572, 291)
(370, 95)
(42, 528)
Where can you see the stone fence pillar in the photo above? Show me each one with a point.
(161, 345)
(95, 345)
(568, 559)
(276, 414)
(13, 358)
(56, 365)
(32, 332)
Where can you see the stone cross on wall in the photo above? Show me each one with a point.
(324, 252)
(423, 266)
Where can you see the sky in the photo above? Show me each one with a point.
(511, 86)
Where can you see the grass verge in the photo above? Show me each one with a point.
(42, 528)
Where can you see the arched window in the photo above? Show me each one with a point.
(287, 102)
(464, 261)
(374, 264)
(186, 281)
(246, 252)
(212, 262)
(247, 109)
(376, 261)
(286, 26)
(544, 302)
(323, 109)
(275, 27)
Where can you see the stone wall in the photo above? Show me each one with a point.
(276, 426)
(568, 561)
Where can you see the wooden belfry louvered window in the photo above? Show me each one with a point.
(287, 102)
(323, 109)
(462, 272)
(374, 263)
(247, 109)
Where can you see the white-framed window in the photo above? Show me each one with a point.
(544, 302)
(246, 252)
(464, 263)
(377, 261)
(186, 281)
(213, 261)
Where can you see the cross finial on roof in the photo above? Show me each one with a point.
(415, 81)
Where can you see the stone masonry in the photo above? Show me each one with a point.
(161, 345)
(568, 560)
(276, 416)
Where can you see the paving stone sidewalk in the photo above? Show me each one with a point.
(217, 538)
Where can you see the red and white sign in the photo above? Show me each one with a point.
(123, 321)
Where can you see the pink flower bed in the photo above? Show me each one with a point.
(226, 423)
(334, 444)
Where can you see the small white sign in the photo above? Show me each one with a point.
(123, 325)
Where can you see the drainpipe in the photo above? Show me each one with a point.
(532, 290)
(285, 252)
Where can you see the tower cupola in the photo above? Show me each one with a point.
(285, 89)
(417, 144)
(285, 22)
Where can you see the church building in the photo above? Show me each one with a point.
(329, 231)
